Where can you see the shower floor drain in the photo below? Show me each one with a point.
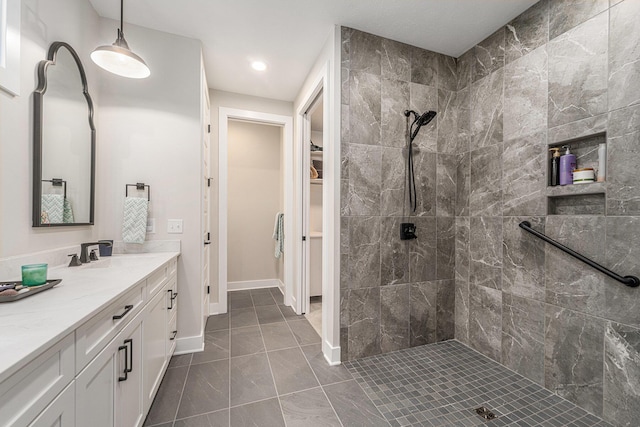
(485, 413)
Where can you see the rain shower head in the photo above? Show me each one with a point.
(426, 118)
(419, 121)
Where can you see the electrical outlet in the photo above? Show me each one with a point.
(151, 225)
(174, 226)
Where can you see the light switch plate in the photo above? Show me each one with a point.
(174, 226)
(151, 225)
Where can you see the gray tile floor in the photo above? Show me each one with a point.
(441, 385)
(263, 366)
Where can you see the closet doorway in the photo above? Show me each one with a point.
(255, 198)
(244, 238)
(312, 217)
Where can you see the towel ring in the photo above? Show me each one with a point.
(57, 182)
(139, 186)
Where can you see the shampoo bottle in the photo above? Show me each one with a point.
(567, 165)
(554, 167)
(602, 161)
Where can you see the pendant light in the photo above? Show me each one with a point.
(118, 58)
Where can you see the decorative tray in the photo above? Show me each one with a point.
(31, 290)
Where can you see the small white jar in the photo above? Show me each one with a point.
(584, 176)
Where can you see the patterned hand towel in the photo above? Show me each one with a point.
(53, 205)
(67, 212)
(134, 226)
(278, 234)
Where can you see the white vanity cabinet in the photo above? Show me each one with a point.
(107, 368)
(154, 346)
(108, 389)
(61, 412)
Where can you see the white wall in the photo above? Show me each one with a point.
(42, 22)
(254, 179)
(244, 102)
(327, 66)
(150, 132)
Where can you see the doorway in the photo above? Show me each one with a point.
(255, 202)
(285, 123)
(312, 212)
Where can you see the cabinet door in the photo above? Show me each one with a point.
(104, 398)
(95, 390)
(154, 327)
(60, 412)
(129, 408)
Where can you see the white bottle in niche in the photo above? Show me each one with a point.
(602, 161)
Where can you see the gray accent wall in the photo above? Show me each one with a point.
(396, 294)
(561, 70)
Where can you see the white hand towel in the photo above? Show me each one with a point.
(53, 205)
(278, 234)
(134, 224)
(67, 212)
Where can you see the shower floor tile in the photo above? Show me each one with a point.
(442, 384)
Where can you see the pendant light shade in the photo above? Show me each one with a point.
(118, 58)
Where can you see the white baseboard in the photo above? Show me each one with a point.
(253, 284)
(190, 345)
(331, 354)
(217, 308)
(281, 286)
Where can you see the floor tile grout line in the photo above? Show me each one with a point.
(229, 395)
(273, 378)
(184, 385)
(314, 372)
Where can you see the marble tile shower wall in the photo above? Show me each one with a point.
(395, 294)
(561, 70)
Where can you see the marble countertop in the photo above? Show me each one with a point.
(31, 325)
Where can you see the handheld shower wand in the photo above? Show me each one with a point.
(414, 128)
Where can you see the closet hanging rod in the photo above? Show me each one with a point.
(631, 281)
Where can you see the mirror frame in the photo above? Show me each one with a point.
(38, 100)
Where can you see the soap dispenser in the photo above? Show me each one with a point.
(567, 165)
(554, 167)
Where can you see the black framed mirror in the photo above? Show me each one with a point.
(64, 142)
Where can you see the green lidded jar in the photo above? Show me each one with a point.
(34, 274)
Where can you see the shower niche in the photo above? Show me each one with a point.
(578, 199)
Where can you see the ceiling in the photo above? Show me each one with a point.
(288, 35)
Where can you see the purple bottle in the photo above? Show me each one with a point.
(567, 165)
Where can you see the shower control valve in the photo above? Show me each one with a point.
(408, 231)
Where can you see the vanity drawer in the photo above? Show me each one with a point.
(172, 297)
(156, 280)
(27, 392)
(96, 333)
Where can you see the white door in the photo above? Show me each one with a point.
(206, 201)
(304, 210)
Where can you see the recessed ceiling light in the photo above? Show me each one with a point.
(258, 65)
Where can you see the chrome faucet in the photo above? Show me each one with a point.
(84, 250)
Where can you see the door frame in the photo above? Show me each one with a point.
(286, 122)
(327, 81)
(205, 225)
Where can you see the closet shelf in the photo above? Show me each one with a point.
(316, 182)
(316, 154)
(577, 189)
